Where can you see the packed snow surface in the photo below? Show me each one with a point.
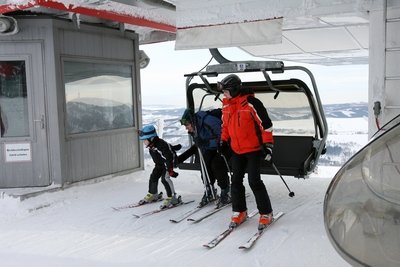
(77, 227)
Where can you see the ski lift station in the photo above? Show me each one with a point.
(54, 54)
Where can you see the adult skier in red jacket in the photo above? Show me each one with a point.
(247, 128)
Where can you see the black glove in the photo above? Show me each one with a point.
(223, 148)
(176, 147)
(267, 152)
(172, 173)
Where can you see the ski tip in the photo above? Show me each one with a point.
(173, 221)
(136, 216)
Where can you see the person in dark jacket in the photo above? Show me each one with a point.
(163, 155)
(205, 129)
(247, 129)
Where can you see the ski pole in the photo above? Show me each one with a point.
(227, 165)
(291, 193)
(206, 180)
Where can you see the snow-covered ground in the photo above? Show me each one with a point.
(77, 227)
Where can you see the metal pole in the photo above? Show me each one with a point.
(291, 193)
(205, 176)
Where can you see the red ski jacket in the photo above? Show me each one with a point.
(245, 124)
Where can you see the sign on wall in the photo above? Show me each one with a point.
(17, 152)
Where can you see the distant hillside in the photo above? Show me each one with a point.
(347, 131)
(347, 110)
(85, 117)
(350, 110)
(155, 111)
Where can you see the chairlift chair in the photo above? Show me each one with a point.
(300, 127)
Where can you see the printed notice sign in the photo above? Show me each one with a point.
(18, 152)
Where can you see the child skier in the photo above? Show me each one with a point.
(163, 155)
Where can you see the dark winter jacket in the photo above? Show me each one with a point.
(208, 129)
(245, 123)
(162, 153)
(207, 135)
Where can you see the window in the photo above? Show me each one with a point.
(290, 113)
(98, 96)
(13, 99)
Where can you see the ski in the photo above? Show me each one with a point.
(213, 243)
(160, 210)
(187, 214)
(209, 213)
(259, 233)
(138, 204)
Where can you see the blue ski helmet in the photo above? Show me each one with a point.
(231, 83)
(147, 132)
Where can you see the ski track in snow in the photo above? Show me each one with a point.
(77, 227)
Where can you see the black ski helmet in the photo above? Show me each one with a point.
(187, 117)
(232, 83)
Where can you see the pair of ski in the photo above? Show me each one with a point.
(161, 209)
(249, 243)
(189, 213)
(138, 204)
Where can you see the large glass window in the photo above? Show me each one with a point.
(13, 99)
(98, 96)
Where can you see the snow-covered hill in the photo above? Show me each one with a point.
(348, 110)
(347, 124)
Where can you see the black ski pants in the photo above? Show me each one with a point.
(216, 168)
(252, 163)
(160, 171)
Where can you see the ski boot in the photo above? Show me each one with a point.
(169, 202)
(207, 197)
(225, 198)
(150, 198)
(238, 218)
(265, 220)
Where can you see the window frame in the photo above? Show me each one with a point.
(31, 137)
(134, 89)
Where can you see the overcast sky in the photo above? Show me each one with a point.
(163, 82)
